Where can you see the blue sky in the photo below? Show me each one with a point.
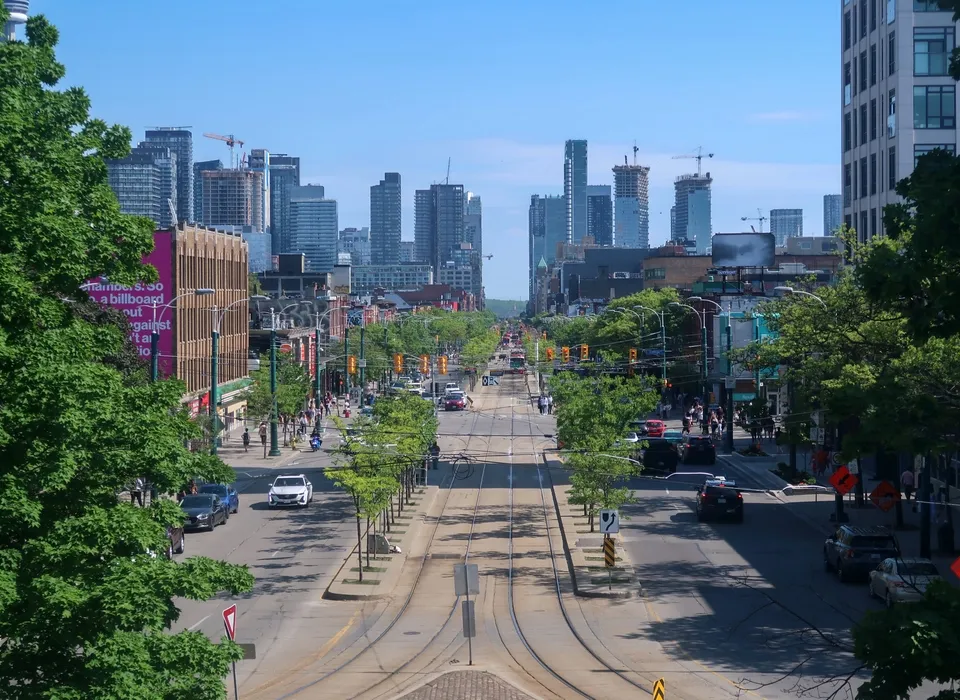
(359, 88)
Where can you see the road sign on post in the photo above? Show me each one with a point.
(609, 552)
(843, 481)
(466, 580)
(609, 522)
(885, 496)
(659, 690)
(230, 622)
(467, 610)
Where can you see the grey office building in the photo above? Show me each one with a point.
(284, 176)
(575, 189)
(144, 181)
(832, 213)
(786, 223)
(631, 186)
(473, 235)
(385, 220)
(198, 169)
(438, 223)
(693, 211)
(314, 227)
(898, 100)
(547, 227)
(600, 214)
(180, 141)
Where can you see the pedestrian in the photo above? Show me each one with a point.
(550, 404)
(542, 404)
(136, 491)
(263, 436)
(907, 483)
(435, 455)
(246, 439)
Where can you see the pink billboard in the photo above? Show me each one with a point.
(137, 302)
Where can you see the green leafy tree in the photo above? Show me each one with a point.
(593, 415)
(85, 610)
(293, 387)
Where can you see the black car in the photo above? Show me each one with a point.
(856, 551)
(719, 499)
(698, 449)
(204, 511)
(176, 541)
(660, 455)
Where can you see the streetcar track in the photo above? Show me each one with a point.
(414, 588)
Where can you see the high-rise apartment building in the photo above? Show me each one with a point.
(575, 189)
(260, 162)
(180, 141)
(144, 181)
(355, 242)
(832, 213)
(284, 175)
(232, 198)
(314, 227)
(786, 223)
(693, 211)
(547, 228)
(600, 214)
(631, 187)
(473, 235)
(438, 223)
(892, 52)
(408, 252)
(198, 169)
(385, 220)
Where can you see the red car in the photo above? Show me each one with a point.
(655, 428)
(455, 402)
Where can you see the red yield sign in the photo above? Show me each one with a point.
(885, 496)
(230, 621)
(843, 481)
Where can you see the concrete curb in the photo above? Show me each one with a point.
(338, 590)
(571, 554)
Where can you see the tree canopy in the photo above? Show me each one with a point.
(84, 608)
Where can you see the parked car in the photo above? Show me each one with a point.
(673, 435)
(660, 455)
(719, 499)
(855, 551)
(177, 541)
(455, 401)
(902, 580)
(204, 511)
(655, 428)
(225, 493)
(290, 490)
(698, 449)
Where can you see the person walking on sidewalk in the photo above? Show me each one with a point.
(907, 483)
(542, 404)
(263, 436)
(550, 404)
(246, 439)
(435, 455)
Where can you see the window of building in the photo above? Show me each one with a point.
(873, 15)
(846, 30)
(855, 190)
(926, 6)
(846, 132)
(891, 167)
(847, 92)
(873, 64)
(873, 223)
(863, 124)
(863, 71)
(931, 50)
(656, 273)
(863, 176)
(847, 221)
(847, 195)
(925, 148)
(891, 11)
(891, 53)
(862, 233)
(873, 120)
(863, 18)
(934, 107)
(892, 114)
(873, 173)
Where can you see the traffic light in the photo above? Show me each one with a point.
(565, 353)
(352, 365)
(424, 364)
(442, 362)
(549, 354)
(584, 352)
(398, 363)
(633, 355)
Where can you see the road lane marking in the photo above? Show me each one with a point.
(194, 626)
(301, 526)
(275, 554)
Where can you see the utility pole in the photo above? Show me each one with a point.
(346, 357)
(274, 410)
(703, 348)
(154, 347)
(316, 364)
(663, 342)
(214, 379)
(730, 390)
(363, 369)
(925, 498)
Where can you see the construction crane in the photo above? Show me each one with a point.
(230, 140)
(759, 218)
(447, 181)
(635, 150)
(698, 156)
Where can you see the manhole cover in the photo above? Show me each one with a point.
(411, 634)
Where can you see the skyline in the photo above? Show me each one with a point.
(771, 122)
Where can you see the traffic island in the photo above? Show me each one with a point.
(381, 575)
(584, 552)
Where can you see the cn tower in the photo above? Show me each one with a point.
(18, 15)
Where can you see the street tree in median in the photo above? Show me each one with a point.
(593, 417)
(293, 387)
(85, 610)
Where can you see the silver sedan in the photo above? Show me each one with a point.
(902, 580)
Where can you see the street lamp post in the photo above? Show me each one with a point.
(155, 328)
(218, 316)
(661, 316)
(703, 345)
(316, 357)
(274, 411)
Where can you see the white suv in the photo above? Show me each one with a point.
(290, 490)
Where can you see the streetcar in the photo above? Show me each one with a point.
(518, 362)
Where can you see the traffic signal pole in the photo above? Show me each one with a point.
(363, 373)
(346, 358)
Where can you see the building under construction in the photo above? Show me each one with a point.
(631, 185)
(692, 217)
(232, 198)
